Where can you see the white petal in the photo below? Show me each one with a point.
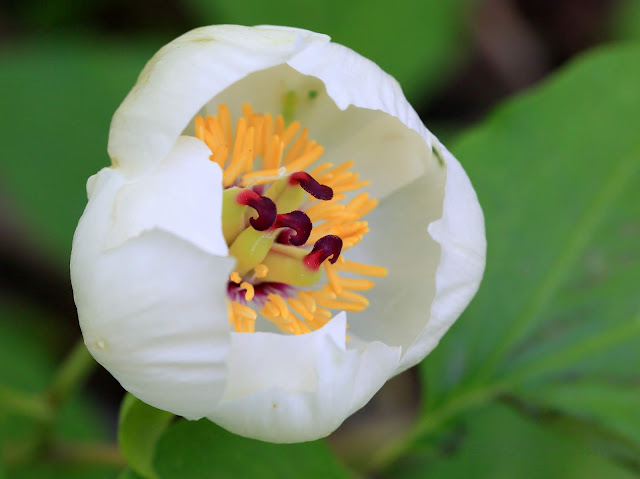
(430, 236)
(153, 310)
(300, 388)
(461, 235)
(183, 76)
(361, 115)
(183, 195)
(399, 241)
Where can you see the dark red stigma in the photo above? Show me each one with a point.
(297, 221)
(311, 186)
(265, 207)
(330, 245)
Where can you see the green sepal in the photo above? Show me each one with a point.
(140, 428)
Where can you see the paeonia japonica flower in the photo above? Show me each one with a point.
(278, 234)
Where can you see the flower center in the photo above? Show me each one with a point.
(288, 229)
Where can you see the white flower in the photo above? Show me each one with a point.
(157, 288)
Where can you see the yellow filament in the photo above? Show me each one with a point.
(262, 149)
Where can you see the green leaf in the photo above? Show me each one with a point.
(416, 42)
(59, 96)
(556, 171)
(27, 367)
(129, 474)
(139, 430)
(598, 409)
(202, 450)
(626, 20)
(498, 443)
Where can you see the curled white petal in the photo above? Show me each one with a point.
(151, 311)
(461, 236)
(183, 76)
(183, 195)
(300, 388)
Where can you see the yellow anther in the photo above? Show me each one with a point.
(279, 303)
(305, 160)
(279, 125)
(225, 124)
(322, 295)
(351, 186)
(329, 175)
(356, 284)
(348, 177)
(247, 111)
(342, 305)
(353, 297)
(359, 268)
(273, 153)
(308, 301)
(299, 307)
(217, 135)
(250, 291)
(242, 317)
(319, 169)
(297, 148)
(261, 150)
(290, 132)
(332, 276)
(261, 270)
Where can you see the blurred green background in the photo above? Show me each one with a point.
(539, 99)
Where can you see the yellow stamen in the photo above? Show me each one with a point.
(351, 186)
(242, 317)
(353, 297)
(299, 307)
(250, 290)
(262, 149)
(305, 160)
(261, 270)
(332, 276)
(359, 268)
(336, 171)
(297, 148)
(356, 284)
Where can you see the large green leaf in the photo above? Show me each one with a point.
(140, 428)
(416, 42)
(556, 171)
(26, 368)
(497, 443)
(626, 20)
(129, 474)
(58, 99)
(202, 450)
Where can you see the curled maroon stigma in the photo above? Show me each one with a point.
(265, 207)
(311, 186)
(283, 237)
(297, 221)
(330, 245)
